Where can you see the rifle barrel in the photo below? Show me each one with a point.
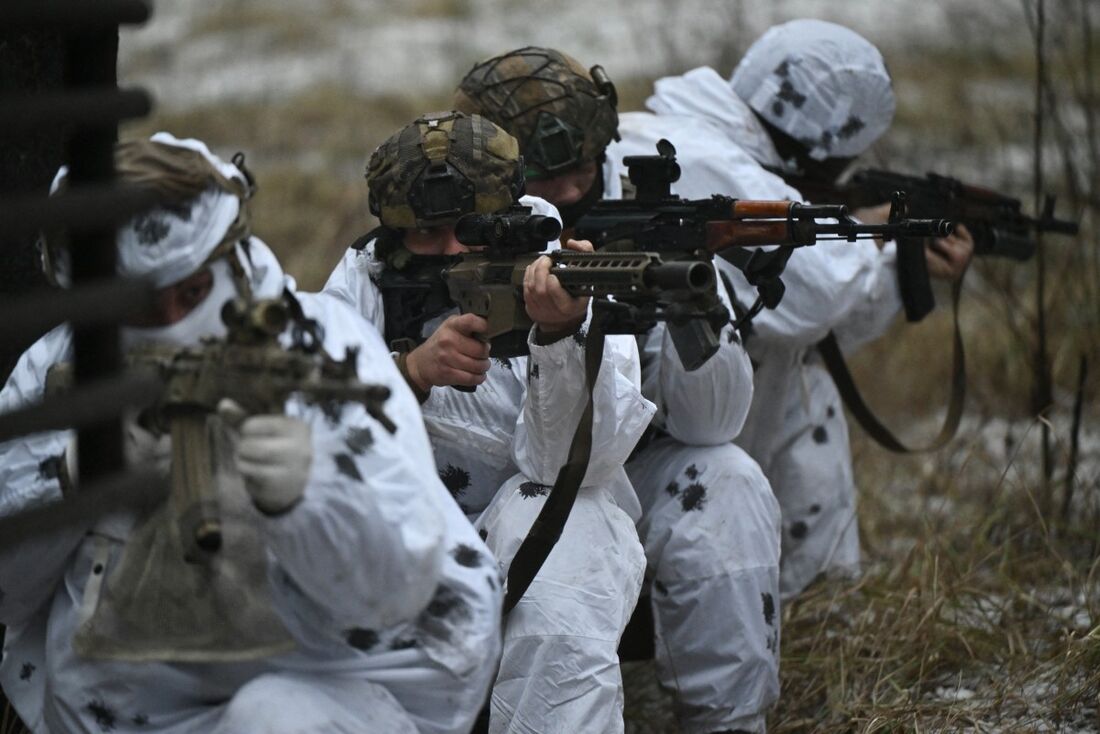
(903, 228)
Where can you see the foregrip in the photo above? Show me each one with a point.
(193, 491)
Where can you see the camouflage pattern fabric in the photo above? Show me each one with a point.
(562, 114)
(441, 166)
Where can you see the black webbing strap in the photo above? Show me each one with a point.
(849, 393)
(548, 526)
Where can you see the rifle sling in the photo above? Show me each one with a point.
(547, 528)
(853, 400)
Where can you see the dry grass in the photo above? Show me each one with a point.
(972, 613)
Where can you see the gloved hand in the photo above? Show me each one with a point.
(145, 448)
(274, 454)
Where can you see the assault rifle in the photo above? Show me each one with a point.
(657, 220)
(250, 367)
(997, 222)
(634, 290)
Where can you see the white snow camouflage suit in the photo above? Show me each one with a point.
(498, 451)
(796, 428)
(711, 529)
(390, 596)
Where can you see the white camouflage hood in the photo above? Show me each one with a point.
(822, 84)
(703, 93)
(168, 244)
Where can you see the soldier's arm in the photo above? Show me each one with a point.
(706, 406)
(31, 468)
(365, 541)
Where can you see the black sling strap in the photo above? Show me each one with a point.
(547, 528)
(853, 400)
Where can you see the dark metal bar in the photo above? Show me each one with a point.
(80, 208)
(72, 16)
(109, 106)
(32, 315)
(139, 489)
(87, 405)
(91, 62)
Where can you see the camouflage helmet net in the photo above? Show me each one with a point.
(562, 114)
(441, 166)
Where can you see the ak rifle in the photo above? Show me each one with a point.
(633, 290)
(658, 221)
(997, 222)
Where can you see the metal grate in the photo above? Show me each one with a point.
(85, 110)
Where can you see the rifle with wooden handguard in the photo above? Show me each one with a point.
(657, 220)
(251, 367)
(997, 222)
(634, 290)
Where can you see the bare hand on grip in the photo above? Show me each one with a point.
(949, 256)
(452, 355)
(549, 305)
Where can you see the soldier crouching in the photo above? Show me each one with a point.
(500, 447)
(350, 593)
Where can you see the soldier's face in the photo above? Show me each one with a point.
(175, 301)
(434, 241)
(565, 188)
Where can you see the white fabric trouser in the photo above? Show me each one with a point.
(560, 669)
(811, 473)
(711, 531)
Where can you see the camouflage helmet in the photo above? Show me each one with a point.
(441, 166)
(561, 114)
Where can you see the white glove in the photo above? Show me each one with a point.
(274, 454)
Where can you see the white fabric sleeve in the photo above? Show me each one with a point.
(871, 318)
(704, 407)
(366, 542)
(826, 285)
(29, 470)
(556, 397)
(351, 283)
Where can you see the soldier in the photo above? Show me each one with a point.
(500, 447)
(709, 522)
(808, 95)
(389, 600)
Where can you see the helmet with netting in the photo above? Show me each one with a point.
(441, 166)
(562, 114)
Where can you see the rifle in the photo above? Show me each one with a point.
(997, 222)
(251, 367)
(634, 290)
(657, 220)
